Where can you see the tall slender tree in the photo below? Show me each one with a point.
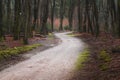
(96, 16)
(52, 14)
(17, 12)
(70, 13)
(119, 18)
(62, 7)
(44, 16)
(36, 13)
(9, 20)
(1, 20)
(79, 16)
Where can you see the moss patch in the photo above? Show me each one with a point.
(105, 59)
(16, 50)
(82, 58)
(73, 34)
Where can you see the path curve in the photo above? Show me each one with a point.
(52, 64)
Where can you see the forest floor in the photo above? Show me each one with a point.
(52, 64)
(104, 59)
(46, 43)
(102, 64)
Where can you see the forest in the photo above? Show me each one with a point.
(21, 17)
(96, 22)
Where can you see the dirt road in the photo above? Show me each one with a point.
(52, 64)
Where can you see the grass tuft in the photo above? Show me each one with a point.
(82, 58)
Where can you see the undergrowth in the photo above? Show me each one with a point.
(16, 50)
(82, 58)
(71, 35)
(105, 59)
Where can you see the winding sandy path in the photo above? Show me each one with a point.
(52, 64)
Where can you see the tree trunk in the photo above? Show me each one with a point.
(70, 13)
(16, 28)
(1, 24)
(44, 16)
(119, 18)
(95, 10)
(52, 14)
(36, 11)
(9, 16)
(79, 16)
(88, 17)
(62, 3)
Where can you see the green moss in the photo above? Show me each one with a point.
(104, 66)
(71, 35)
(105, 58)
(16, 50)
(82, 58)
(1, 39)
(50, 35)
